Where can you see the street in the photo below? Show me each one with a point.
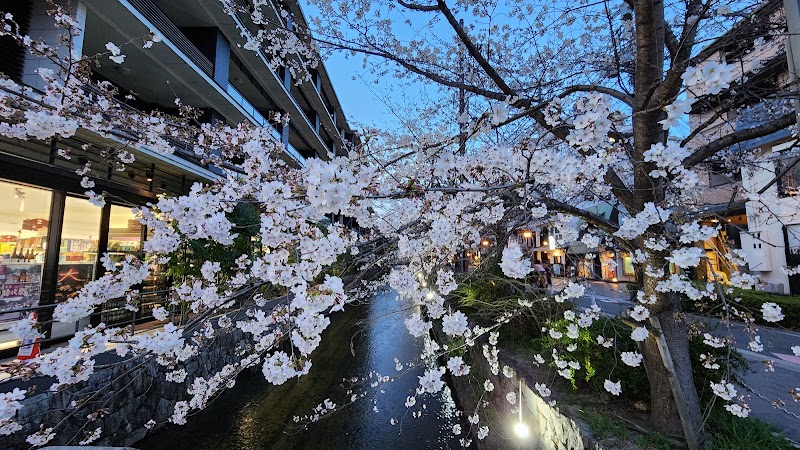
(767, 386)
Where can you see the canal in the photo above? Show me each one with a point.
(363, 339)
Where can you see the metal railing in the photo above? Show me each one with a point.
(168, 29)
(135, 317)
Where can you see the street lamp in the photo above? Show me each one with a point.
(520, 429)
(485, 243)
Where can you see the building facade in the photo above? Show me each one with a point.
(51, 236)
(765, 226)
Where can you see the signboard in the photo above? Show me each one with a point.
(71, 278)
(34, 224)
(20, 287)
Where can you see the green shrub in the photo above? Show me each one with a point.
(751, 302)
(190, 256)
(729, 432)
(488, 294)
(597, 362)
(703, 376)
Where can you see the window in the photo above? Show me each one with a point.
(720, 175)
(124, 239)
(789, 183)
(77, 255)
(627, 265)
(24, 214)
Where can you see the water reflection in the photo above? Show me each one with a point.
(256, 415)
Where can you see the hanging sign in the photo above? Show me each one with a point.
(34, 224)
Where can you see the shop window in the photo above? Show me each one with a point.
(124, 233)
(77, 255)
(24, 214)
(124, 239)
(627, 265)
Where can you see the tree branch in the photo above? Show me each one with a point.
(619, 95)
(415, 69)
(418, 7)
(704, 152)
(473, 50)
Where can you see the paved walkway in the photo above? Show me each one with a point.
(768, 387)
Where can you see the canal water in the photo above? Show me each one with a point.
(256, 415)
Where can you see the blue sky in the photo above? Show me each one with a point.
(360, 100)
(366, 102)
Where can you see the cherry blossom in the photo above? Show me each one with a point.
(771, 312)
(632, 359)
(514, 264)
(612, 387)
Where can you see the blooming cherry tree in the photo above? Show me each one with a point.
(552, 129)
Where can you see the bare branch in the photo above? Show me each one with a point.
(619, 95)
(418, 7)
(708, 150)
(473, 50)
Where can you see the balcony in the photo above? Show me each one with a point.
(176, 68)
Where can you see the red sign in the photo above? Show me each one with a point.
(8, 238)
(34, 224)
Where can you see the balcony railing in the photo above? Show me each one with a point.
(169, 31)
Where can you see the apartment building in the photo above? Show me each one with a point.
(50, 234)
(766, 228)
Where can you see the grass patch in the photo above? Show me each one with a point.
(603, 426)
(654, 440)
(733, 433)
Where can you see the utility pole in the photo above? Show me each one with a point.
(462, 99)
(791, 9)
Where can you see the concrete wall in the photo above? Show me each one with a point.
(42, 27)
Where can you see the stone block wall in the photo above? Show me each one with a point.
(131, 393)
(549, 428)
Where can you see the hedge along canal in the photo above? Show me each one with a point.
(256, 415)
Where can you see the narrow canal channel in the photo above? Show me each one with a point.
(256, 415)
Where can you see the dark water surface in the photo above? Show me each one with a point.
(256, 415)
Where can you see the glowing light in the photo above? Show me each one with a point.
(485, 243)
(521, 430)
(527, 234)
(430, 295)
(614, 280)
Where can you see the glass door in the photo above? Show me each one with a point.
(77, 255)
(124, 239)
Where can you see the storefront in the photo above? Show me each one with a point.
(715, 267)
(616, 266)
(50, 242)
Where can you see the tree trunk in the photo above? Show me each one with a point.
(674, 404)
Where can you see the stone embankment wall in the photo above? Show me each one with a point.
(549, 428)
(131, 393)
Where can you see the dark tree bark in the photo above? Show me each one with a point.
(673, 399)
